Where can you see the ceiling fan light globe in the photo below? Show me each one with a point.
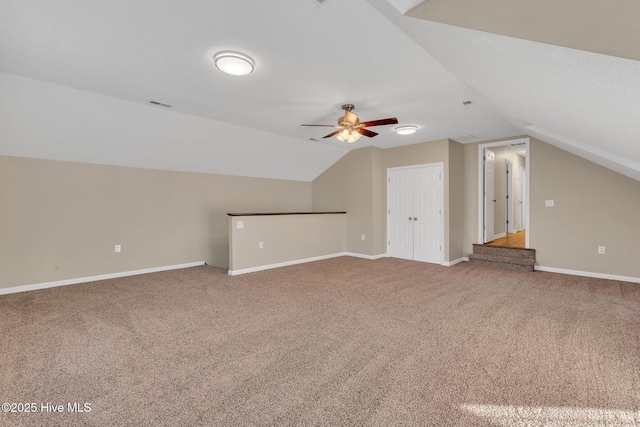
(353, 137)
(348, 135)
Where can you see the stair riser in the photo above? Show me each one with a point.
(502, 265)
(502, 259)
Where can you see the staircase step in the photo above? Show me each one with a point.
(498, 258)
(510, 263)
(505, 251)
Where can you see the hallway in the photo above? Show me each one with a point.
(511, 240)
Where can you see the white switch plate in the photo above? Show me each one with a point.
(118, 248)
(549, 203)
(601, 249)
(261, 244)
(363, 237)
(239, 225)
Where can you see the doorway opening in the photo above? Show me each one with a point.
(503, 193)
(511, 240)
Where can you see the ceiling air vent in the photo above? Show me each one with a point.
(159, 104)
(318, 2)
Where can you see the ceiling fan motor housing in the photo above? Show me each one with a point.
(349, 119)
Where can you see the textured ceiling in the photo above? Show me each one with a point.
(310, 59)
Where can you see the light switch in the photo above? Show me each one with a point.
(549, 203)
(239, 225)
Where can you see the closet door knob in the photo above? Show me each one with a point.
(415, 219)
(409, 218)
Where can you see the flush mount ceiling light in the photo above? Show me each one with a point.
(234, 63)
(406, 130)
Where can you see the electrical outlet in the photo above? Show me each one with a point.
(549, 203)
(260, 244)
(601, 249)
(118, 248)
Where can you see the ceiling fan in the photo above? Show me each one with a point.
(350, 129)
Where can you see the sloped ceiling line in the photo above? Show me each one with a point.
(577, 100)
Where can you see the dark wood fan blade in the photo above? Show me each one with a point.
(389, 121)
(332, 134)
(331, 126)
(366, 132)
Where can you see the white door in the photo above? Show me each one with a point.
(519, 200)
(400, 213)
(489, 194)
(415, 213)
(509, 197)
(427, 214)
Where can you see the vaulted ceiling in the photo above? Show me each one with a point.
(104, 62)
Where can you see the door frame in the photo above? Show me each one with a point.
(508, 213)
(442, 239)
(527, 172)
(488, 201)
(519, 200)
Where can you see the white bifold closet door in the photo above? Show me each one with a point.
(414, 213)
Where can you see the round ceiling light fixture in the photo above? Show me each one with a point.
(234, 63)
(406, 130)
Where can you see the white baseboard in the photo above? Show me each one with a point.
(582, 273)
(318, 258)
(588, 274)
(283, 264)
(45, 285)
(497, 236)
(372, 257)
(454, 262)
(302, 261)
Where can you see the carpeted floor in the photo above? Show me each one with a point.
(339, 342)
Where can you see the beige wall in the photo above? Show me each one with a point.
(61, 220)
(348, 186)
(469, 197)
(594, 206)
(456, 201)
(357, 184)
(379, 202)
(285, 238)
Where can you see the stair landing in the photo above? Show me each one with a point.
(518, 259)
